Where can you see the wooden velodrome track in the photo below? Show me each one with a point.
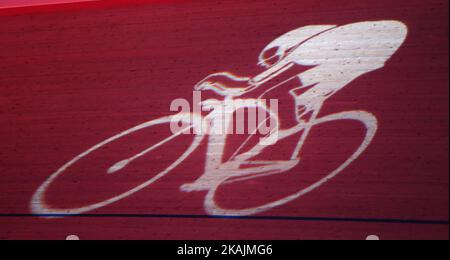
(74, 75)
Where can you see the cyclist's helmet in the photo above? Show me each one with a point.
(280, 48)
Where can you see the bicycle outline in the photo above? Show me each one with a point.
(218, 172)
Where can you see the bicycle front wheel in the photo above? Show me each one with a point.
(43, 200)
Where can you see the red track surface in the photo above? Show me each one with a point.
(24, 3)
(73, 78)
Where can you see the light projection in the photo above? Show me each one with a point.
(335, 55)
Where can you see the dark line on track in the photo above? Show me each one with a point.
(279, 218)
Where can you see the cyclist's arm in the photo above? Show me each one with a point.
(224, 84)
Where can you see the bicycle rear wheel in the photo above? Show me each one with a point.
(368, 120)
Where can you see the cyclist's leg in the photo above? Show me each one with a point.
(257, 169)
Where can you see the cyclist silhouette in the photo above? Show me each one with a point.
(334, 57)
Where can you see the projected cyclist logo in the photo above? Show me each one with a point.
(335, 55)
